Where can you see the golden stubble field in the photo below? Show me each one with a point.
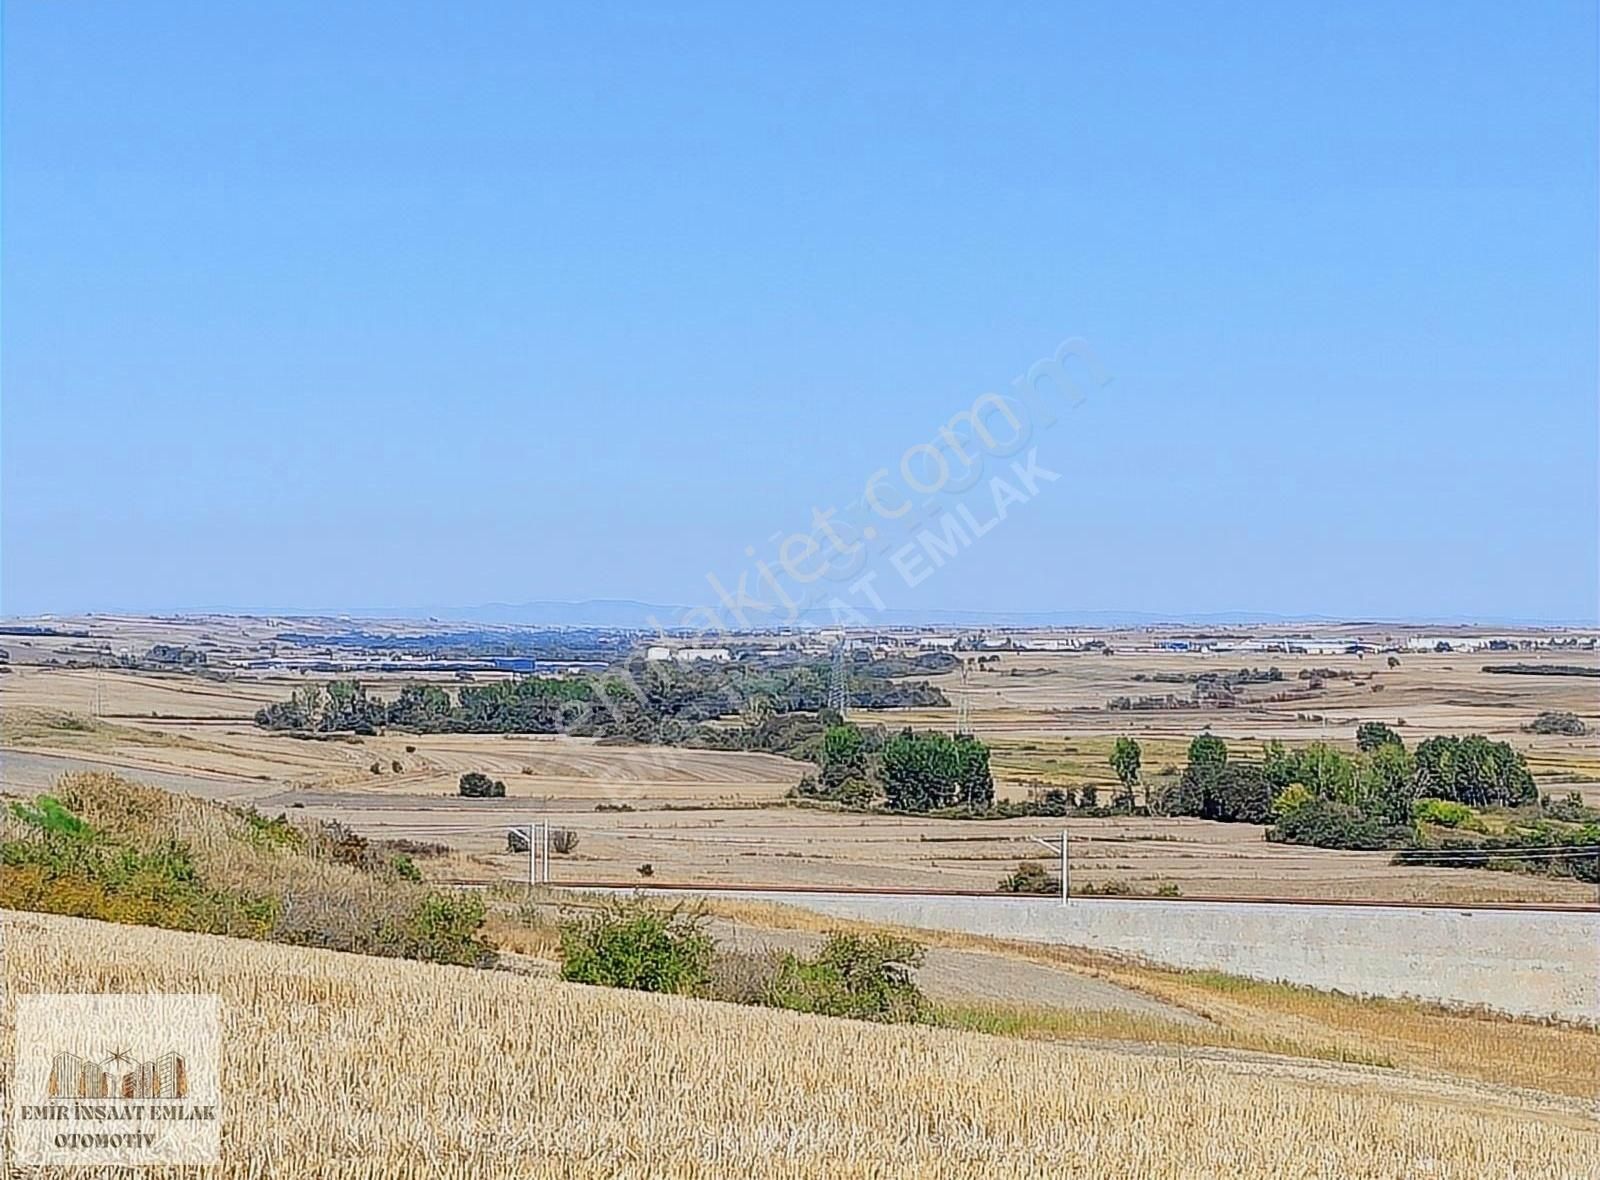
(712, 816)
(340, 1067)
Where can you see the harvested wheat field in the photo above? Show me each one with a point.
(343, 1066)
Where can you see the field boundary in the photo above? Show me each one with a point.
(995, 895)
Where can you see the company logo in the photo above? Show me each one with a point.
(127, 1079)
(118, 1076)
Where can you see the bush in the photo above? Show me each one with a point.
(1444, 813)
(1568, 724)
(1289, 798)
(1031, 877)
(1111, 888)
(563, 840)
(444, 929)
(631, 943)
(1323, 823)
(862, 977)
(1572, 809)
(475, 785)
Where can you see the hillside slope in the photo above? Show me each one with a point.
(346, 1066)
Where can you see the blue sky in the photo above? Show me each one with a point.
(317, 307)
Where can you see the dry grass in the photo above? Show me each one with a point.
(54, 729)
(343, 1067)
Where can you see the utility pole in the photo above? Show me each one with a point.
(1066, 890)
(546, 852)
(533, 855)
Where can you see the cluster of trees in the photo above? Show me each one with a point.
(342, 705)
(1319, 794)
(930, 770)
(654, 702)
(1475, 771)
(910, 771)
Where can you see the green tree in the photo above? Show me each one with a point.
(1326, 772)
(1240, 793)
(976, 788)
(1208, 751)
(1372, 734)
(921, 771)
(1125, 761)
(1475, 771)
(1387, 784)
(844, 754)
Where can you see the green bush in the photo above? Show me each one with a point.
(476, 785)
(1326, 824)
(1444, 813)
(862, 977)
(632, 943)
(1568, 724)
(65, 866)
(444, 929)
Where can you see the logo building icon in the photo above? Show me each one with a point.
(118, 1076)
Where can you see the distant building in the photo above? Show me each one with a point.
(685, 655)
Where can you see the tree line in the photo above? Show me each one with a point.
(648, 702)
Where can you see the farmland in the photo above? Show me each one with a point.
(342, 1066)
(721, 815)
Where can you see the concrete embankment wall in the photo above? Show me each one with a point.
(1527, 962)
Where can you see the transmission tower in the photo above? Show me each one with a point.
(838, 692)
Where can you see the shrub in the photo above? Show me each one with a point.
(1572, 809)
(1289, 798)
(1111, 888)
(396, 765)
(563, 840)
(1443, 812)
(411, 749)
(1569, 724)
(631, 943)
(444, 929)
(1324, 823)
(475, 785)
(376, 768)
(863, 977)
(404, 867)
(274, 833)
(1030, 877)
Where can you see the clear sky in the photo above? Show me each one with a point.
(318, 306)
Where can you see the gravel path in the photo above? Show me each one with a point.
(976, 976)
